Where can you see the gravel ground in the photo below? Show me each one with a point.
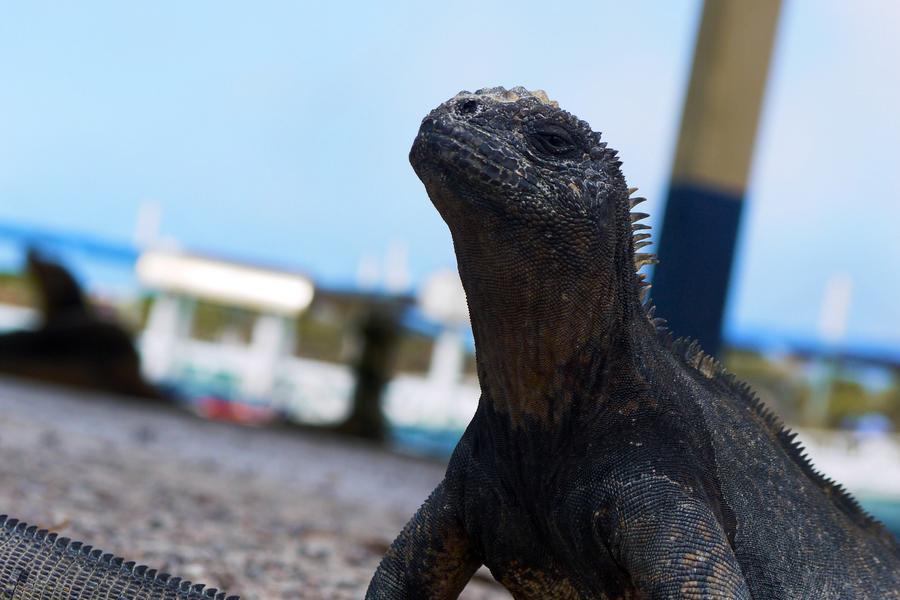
(264, 514)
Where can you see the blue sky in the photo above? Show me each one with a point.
(825, 193)
(278, 131)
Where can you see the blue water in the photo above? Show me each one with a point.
(436, 443)
(885, 510)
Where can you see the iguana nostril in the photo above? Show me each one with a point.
(427, 124)
(467, 107)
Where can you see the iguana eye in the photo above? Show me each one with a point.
(553, 140)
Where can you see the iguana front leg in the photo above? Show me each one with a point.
(668, 539)
(431, 558)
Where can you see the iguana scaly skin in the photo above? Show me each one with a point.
(36, 564)
(605, 460)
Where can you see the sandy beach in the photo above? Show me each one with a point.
(260, 513)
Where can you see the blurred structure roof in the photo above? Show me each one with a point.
(259, 288)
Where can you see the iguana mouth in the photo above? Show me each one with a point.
(449, 147)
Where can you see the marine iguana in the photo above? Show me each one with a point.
(35, 563)
(605, 459)
(73, 345)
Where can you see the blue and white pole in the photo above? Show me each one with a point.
(712, 162)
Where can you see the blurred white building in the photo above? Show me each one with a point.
(277, 297)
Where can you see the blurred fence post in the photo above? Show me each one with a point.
(447, 358)
(374, 368)
(273, 338)
(712, 161)
(169, 321)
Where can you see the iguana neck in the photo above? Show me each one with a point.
(543, 336)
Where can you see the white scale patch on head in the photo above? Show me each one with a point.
(500, 94)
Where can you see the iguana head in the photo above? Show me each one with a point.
(513, 162)
(516, 154)
(540, 217)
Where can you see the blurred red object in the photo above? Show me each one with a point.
(220, 409)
